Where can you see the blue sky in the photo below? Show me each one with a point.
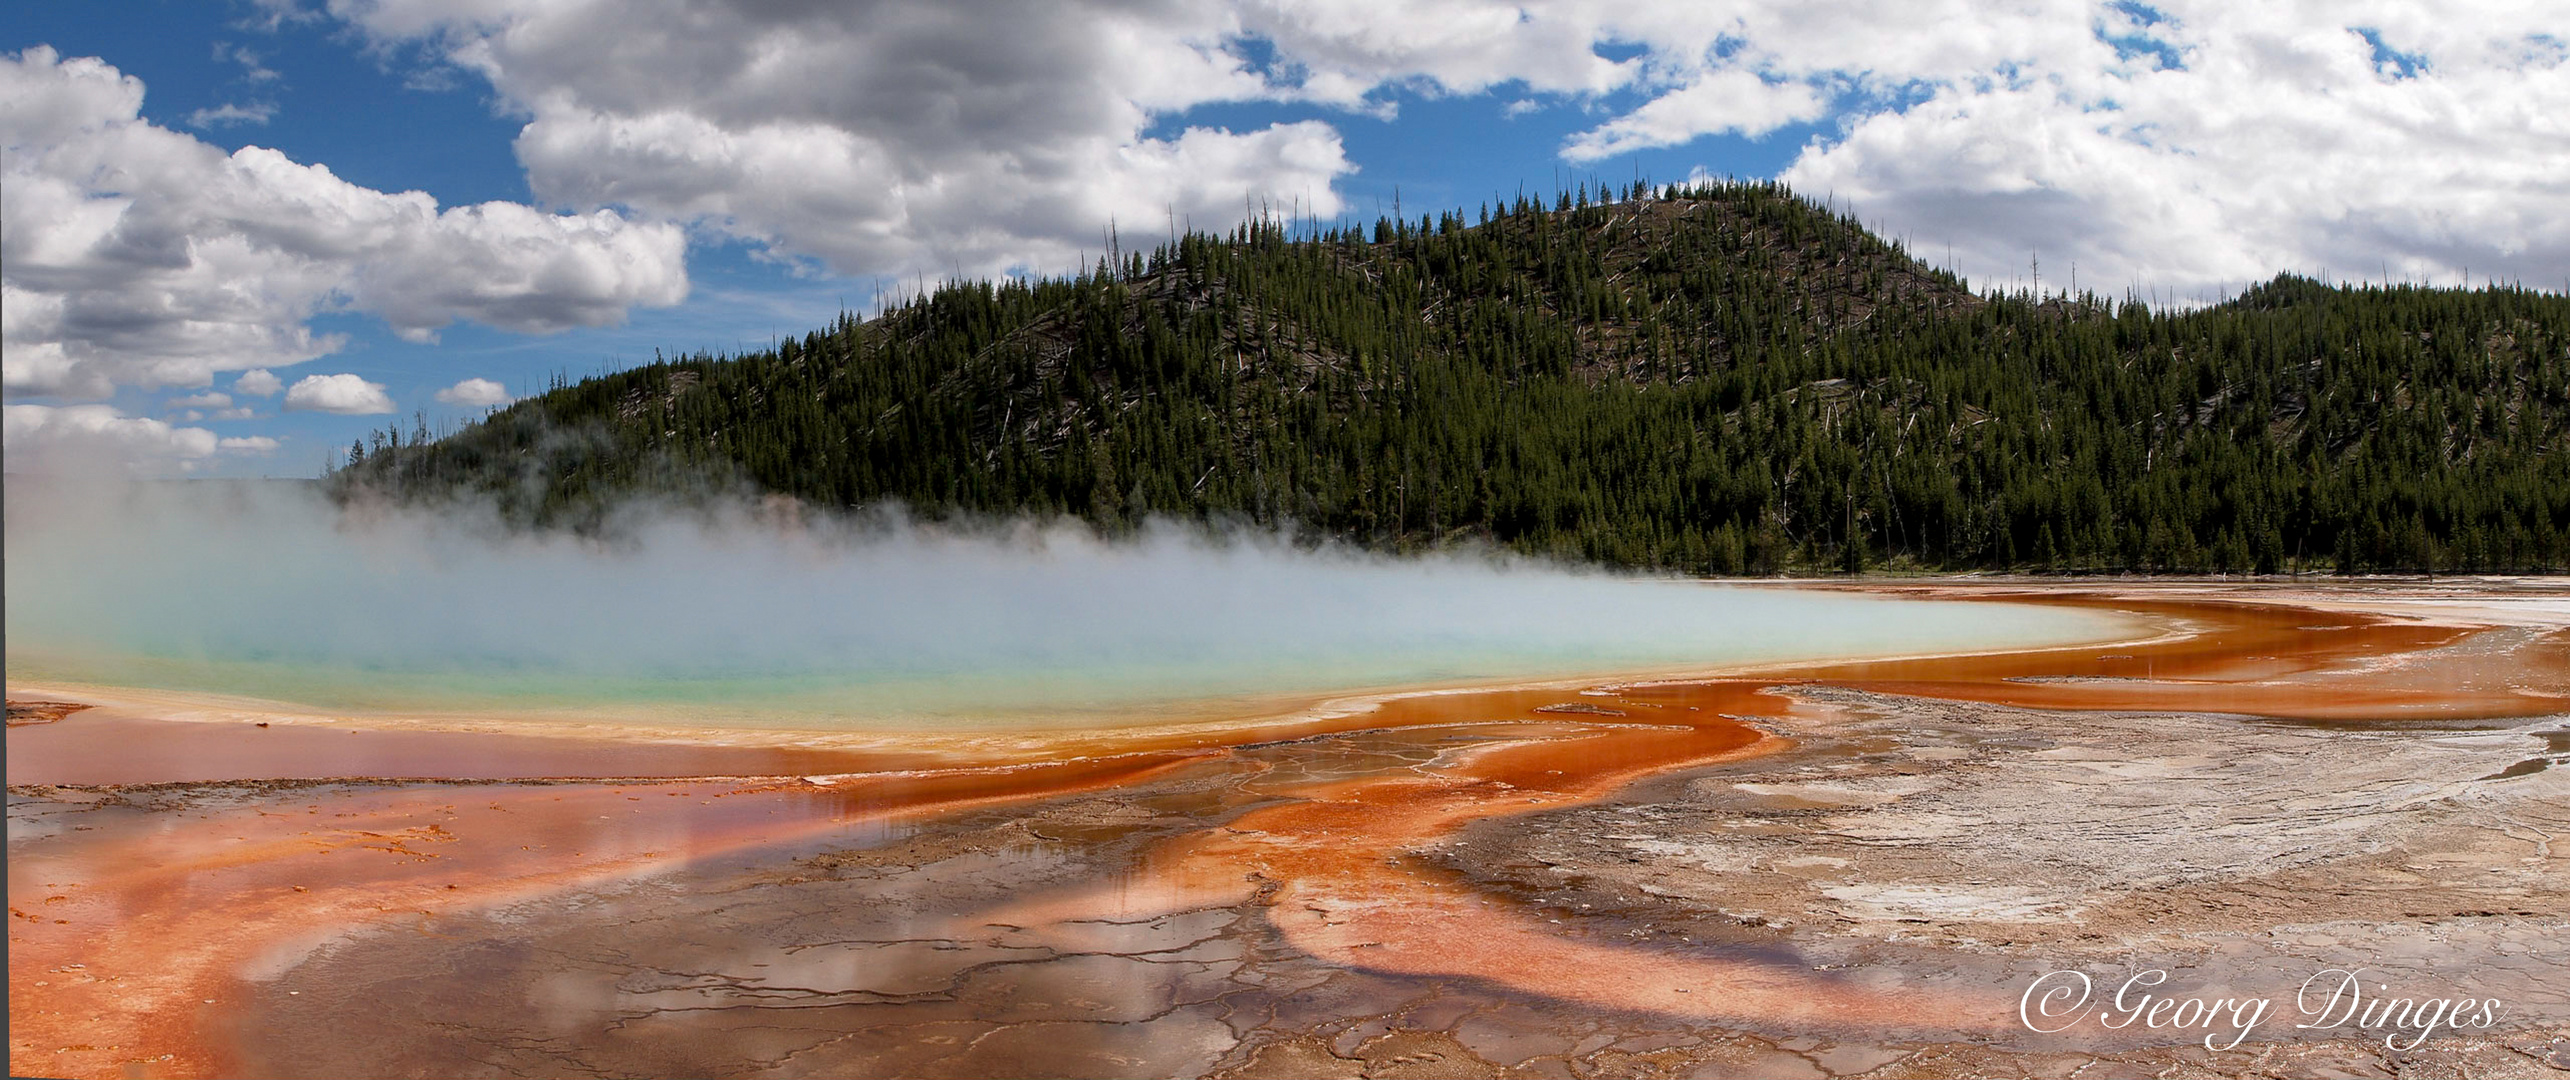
(335, 101)
(651, 177)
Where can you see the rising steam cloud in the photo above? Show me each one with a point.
(270, 590)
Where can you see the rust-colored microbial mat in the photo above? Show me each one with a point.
(174, 887)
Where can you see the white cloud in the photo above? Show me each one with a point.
(254, 67)
(88, 438)
(2191, 145)
(475, 392)
(2187, 144)
(210, 399)
(229, 114)
(257, 382)
(344, 394)
(1341, 51)
(1723, 102)
(45, 437)
(139, 256)
(2279, 144)
(897, 138)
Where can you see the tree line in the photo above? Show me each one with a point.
(1722, 378)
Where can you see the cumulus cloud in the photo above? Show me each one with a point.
(2183, 144)
(140, 256)
(475, 392)
(48, 438)
(889, 138)
(257, 382)
(2190, 145)
(346, 395)
(210, 399)
(2201, 146)
(1720, 103)
(1344, 51)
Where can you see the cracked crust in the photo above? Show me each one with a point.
(1945, 849)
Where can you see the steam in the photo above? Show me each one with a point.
(749, 616)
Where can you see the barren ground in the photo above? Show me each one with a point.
(1495, 885)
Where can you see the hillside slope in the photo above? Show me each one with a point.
(1726, 379)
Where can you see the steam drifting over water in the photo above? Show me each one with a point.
(737, 617)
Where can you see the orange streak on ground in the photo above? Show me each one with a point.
(1339, 872)
(166, 915)
(123, 948)
(2270, 660)
(110, 747)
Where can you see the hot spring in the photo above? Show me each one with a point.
(735, 619)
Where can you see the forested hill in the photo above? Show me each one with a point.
(1728, 379)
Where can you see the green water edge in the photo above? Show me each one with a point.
(1023, 695)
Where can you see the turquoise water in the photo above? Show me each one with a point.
(265, 592)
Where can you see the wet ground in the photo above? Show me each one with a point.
(1833, 871)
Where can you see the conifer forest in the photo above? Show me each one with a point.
(1724, 379)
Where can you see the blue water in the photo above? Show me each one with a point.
(263, 591)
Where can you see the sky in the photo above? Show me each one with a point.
(237, 234)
